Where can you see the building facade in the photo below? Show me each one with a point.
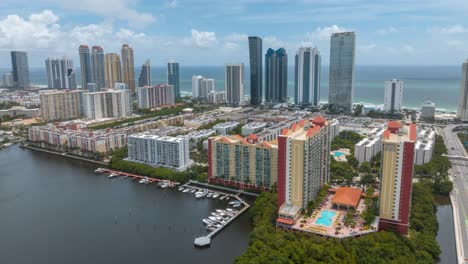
(112, 70)
(341, 79)
(20, 66)
(393, 99)
(226, 127)
(216, 97)
(234, 82)
(60, 73)
(256, 71)
(145, 74)
(428, 110)
(150, 97)
(160, 151)
(85, 65)
(463, 99)
(8, 80)
(397, 176)
(107, 104)
(97, 67)
(370, 146)
(424, 147)
(173, 77)
(61, 105)
(128, 67)
(201, 87)
(307, 77)
(276, 76)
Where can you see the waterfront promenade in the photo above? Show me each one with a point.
(63, 154)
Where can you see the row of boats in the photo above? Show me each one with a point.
(200, 193)
(219, 218)
(145, 180)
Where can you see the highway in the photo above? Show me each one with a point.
(460, 192)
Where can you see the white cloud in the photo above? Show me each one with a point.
(323, 34)
(386, 31)
(203, 39)
(454, 29)
(171, 4)
(273, 42)
(230, 45)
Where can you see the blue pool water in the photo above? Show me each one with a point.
(338, 154)
(325, 218)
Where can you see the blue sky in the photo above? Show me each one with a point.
(214, 32)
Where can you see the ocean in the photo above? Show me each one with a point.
(439, 84)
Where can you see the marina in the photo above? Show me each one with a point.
(141, 179)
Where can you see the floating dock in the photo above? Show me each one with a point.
(135, 176)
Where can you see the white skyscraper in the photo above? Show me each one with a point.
(428, 110)
(196, 83)
(393, 98)
(107, 104)
(201, 87)
(463, 100)
(307, 76)
(234, 83)
(60, 73)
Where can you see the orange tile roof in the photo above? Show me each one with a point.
(294, 127)
(394, 125)
(412, 132)
(347, 196)
(285, 132)
(319, 119)
(302, 123)
(252, 136)
(285, 221)
(386, 133)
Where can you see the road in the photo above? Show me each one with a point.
(460, 191)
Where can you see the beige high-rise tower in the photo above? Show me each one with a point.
(128, 67)
(112, 69)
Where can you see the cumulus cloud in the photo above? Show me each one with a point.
(273, 42)
(322, 34)
(203, 39)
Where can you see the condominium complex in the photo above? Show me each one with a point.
(61, 105)
(236, 161)
(256, 72)
(272, 133)
(253, 128)
(85, 65)
(334, 128)
(307, 77)
(370, 146)
(20, 66)
(145, 74)
(234, 82)
(463, 96)
(393, 99)
(160, 151)
(276, 76)
(428, 110)
(396, 176)
(341, 83)
(216, 97)
(150, 97)
(424, 147)
(173, 77)
(128, 67)
(8, 80)
(226, 127)
(202, 87)
(303, 165)
(97, 67)
(107, 104)
(196, 137)
(60, 73)
(112, 70)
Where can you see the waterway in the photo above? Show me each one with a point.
(56, 210)
(446, 235)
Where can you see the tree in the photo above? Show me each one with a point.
(365, 167)
(358, 110)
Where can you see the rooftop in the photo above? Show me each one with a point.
(347, 196)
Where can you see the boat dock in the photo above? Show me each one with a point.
(205, 241)
(135, 176)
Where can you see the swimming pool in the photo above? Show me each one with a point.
(338, 154)
(325, 218)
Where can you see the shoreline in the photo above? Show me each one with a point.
(62, 154)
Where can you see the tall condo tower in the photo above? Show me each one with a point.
(234, 81)
(60, 73)
(112, 70)
(393, 98)
(276, 76)
(145, 74)
(256, 72)
(97, 66)
(128, 67)
(173, 76)
(307, 77)
(341, 90)
(463, 100)
(85, 66)
(397, 176)
(20, 65)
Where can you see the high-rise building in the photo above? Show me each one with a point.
(107, 104)
(97, 67)
(370, 146)
(150, 97)
(173, 77)
(120, 86)
(242, 162)
(463, 100)
(428, 110)
(341, 84)
(8, 80)
(216, 97)
(85, 65)
(276, 76)
(61, 105)
(164, 151)
(303, 165)
(60, 73)
(145, 74)
(112, 70)
(20, 65)
(307, 77)
(234, 82)
(128, 67)
(256, 72)
(201, 87)
(91, 87)
(397, 176)
(393, 98)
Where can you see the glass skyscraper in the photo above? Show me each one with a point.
(173, 77)
(85, 66)
(276, 76)
(234, 81)
(145, 74)
(19, 63)
(341, 90)
(307, 77)
(255, 52)
(97, 67)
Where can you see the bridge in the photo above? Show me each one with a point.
(453, 157)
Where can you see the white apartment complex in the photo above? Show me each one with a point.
(226, 127)
(253, 128)
(370, 146)
(424, 147)
(202, 86)
(160, 151)
(393, 99)
(150, 97)
(61, 105)
(428, 110)
(107, 104)
(216, 97)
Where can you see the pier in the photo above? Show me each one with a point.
(135, 176)
(205, 241)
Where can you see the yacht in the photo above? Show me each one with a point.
(227, 198)
(214, 214)
(216, 195)
(209, 195)
(98, 170)
(234, 202)
(220, 211)
(211, 227)
(208, 222)
(112, 175)
(193, 190)
(145, 180)
(187, 190)
(213, 218)
(181, 188)
(222, 198)
(237, 205)
(165, 185)
(200, 195)
(230, 210)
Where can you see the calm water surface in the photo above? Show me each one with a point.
(56, 210)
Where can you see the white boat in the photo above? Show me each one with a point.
(220, 211)
(234, 202)
(165, 185)
(200, 195)
(181, 188)
(211, 228)
(227, 198)
(230, 210)
(237, 205)
(187, 190)
(217, 225)
(98, 170)
(208, 222)
(213, 218)
(216, 195)
(209, 195)
(193, 190)
(112, 175)
(222, 198)
(144, 180)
